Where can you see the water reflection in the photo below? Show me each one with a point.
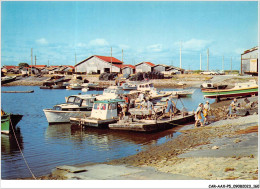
(106, 138)
(9, 144)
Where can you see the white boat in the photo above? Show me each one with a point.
(74, 86)
(112, 92)
(145, 87)
(128, 87)
(182, 93)
(75, 106)
(103, 113)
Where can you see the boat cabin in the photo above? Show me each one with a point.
(77, 103)
(106, 109)
(250, 84)
(113, 90)
(145, 87)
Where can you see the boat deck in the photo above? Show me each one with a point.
(151, 125)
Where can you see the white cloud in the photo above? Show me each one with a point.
(122, 46)
(98, 43)
(154, 48)
(42, 41)
(81, 45)
(194, 44)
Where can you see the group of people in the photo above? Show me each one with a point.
(202, 109)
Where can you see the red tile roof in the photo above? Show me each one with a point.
(148, 63)
(118, 65)
(128, 65)
(38, 66)
(9, 67)
(108, 59)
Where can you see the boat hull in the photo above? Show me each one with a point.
(9, 120)
(57, 116)
(230, 93)
(91, 122)
(152, 125)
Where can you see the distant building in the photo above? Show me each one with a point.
(144, 67)
(128, 69)
(249, 61)
(99, 64)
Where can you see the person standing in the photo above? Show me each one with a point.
(198, 116)
(206, 110)
(150, 108)
(170, 106)
(233, 108)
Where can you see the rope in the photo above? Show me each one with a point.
(21, 150)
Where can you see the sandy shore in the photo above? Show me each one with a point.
(225, 149)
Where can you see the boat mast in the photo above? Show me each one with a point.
(31, 60)
(75, 63)
(180, 57)
(223, 63)
(208, 60)
(200, 61)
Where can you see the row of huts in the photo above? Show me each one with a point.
(96, 65)
(101, 64)
(39, 69)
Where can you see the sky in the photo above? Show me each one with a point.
(150, 31)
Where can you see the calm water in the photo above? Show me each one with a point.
(46, 147)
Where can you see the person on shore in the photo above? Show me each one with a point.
(150, 108)
(170, 107)
(233, 108)
(198, 116)
(206, 110)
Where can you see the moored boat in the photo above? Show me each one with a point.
(9, 120)
(144, 125)
(103, 113)
(112, 92)
(128, 87)
(75, 106)
(240, 90)
(7, 79)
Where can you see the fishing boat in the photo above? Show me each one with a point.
(75, 106)
(240, 90)
(9, 120)
(146, 125)
(211, 85)
(74, 86)
(155, 94)
(7, 79)
(128, 87)
(182, 93)
(112, 92)
(103, 113)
